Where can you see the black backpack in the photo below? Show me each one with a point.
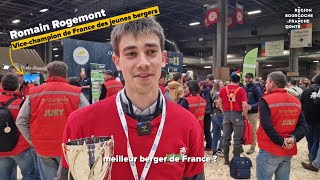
(9, 133)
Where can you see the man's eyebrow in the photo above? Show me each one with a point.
(151, 45)
(129, 48)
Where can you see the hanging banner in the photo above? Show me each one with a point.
(239, 14)
(97, 80)
(272, 48)
(250, 62)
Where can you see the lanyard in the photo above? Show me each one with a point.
(155, 143)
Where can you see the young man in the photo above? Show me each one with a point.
(232, 102)
(43, 116)
(111, 86)
(282, 125)
(139, 54)
(254, 94)
(22, 153)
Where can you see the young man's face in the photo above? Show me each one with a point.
(140, 60)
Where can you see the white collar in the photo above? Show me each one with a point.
(148, 111)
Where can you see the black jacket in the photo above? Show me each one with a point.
(310, 109)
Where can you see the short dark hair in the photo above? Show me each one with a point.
(194, 87)
(293, 82)
(235, 78)
(163, 74)
(10, 82)
(278, 78)
(57, 68)
(210, 77)
(316, 78)
(177, 76)
(75, 81)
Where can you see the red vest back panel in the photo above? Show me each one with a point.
(285, 110)
(51, 104)
(197, 106)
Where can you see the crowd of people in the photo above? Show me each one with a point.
(180, 116)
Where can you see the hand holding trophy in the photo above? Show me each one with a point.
(85, 157)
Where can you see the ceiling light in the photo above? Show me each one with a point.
(55, 49)
(194, 23)
(254, 12)
(286, 52)
(44, 10)
(269, 65)
(207, 67)
(200, 39)
(230, 56)
(184, 65)
(316, 61)
(56, 55)
(16, 21)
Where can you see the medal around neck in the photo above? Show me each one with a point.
(85, 157)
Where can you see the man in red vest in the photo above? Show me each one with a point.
(43, 116)
(110, 86)
(233, 103)
(282, 125)
(139, 116)
(22, 153)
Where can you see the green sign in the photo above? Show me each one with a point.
(250, 62)
(97, 80)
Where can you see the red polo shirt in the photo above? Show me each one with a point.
(240, 96)
(181, 130)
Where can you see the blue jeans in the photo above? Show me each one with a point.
(24, 160)
(217, 121)
(316, 162)
(48, 167)
(269, 164)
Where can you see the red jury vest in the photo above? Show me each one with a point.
(197, 106)
(113, 87)
(51, 104)
(285, 110)
(14, 107)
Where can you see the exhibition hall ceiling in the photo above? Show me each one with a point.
(175, 16)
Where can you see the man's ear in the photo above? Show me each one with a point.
(164, 58)
(116, 61)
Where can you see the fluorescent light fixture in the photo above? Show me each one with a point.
(44, 10)
(56, 55)
(269, 65)
(316, 61)
(254, 12)
(184, 65)
(55, 49)
(16, 21)
(286, 52)
(194, 23)
(6, 67)
(207, 67)
(230, 56)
